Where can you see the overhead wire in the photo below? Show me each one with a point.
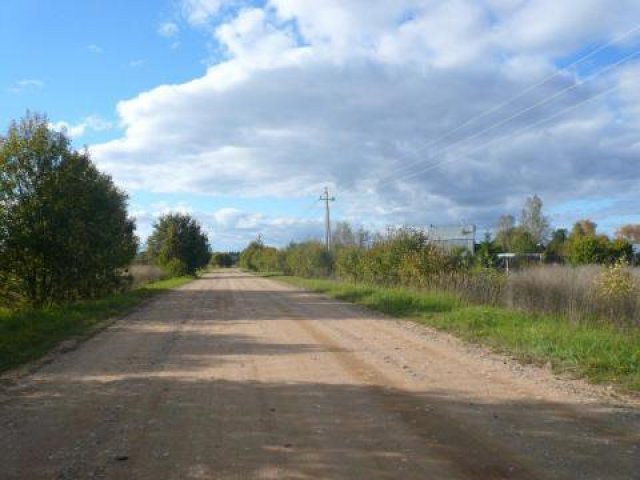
(521, 130)
(521, 94)
(542, 102)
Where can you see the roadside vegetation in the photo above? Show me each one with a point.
(578, 307)
(601, 352)
(64, 230)
(69, 257)
(27, 334)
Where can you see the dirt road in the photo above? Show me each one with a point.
(240, 377)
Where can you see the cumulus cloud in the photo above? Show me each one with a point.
(230, 229)
(198, 12)
(168, 29)
(91, 123)
(375, 99)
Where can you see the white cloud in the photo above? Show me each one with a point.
(231, 228)
(349, 93)
(168, 29)
(90, 123)
(136, 63)
(26, 85)
(199, 12)
(95, 49)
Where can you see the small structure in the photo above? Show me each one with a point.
(450, 237)
(514, 260)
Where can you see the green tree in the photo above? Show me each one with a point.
(585, 246)
(178, 244)
(64, 230)
(221, 260)
(587, 249)
(533, 221)
(308, 259)
(487, 253)
(556, 249)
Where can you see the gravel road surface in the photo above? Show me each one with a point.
(238, 377)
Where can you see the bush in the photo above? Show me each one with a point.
(308, 260)
(221, 260)
(259, 258)
(142, 274)
(178, 244)
(64, 230)
(618, 293)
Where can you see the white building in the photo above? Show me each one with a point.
(453, 236)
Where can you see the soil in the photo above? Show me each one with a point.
(237, 377)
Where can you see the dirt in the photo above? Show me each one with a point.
(238, 377)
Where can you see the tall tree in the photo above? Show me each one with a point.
(504, 232)
(584, 228)
(629, 232)
(534, 221)
(64, 230)
(178, 244)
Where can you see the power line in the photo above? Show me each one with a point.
(518, 114)
(527, 127)
(529, 89)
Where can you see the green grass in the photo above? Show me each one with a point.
(28, 334)
(601, 353)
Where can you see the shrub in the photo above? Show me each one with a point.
(617, 293)
(142, 274)
(64, 230)
(308, 259)
(178, 244)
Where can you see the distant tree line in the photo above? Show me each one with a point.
(224, 259)
(406, 256)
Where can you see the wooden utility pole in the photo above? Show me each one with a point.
(327, 217)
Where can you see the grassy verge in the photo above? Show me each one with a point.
(29, 334)
(601, 353)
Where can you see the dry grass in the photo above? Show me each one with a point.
(143, 274)
(589, 293)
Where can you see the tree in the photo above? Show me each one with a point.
(343, 235)
(487, 253)
(522, 241)
(504, 230)
(221, 260)
(533, 221)
(257, 257)
(584, 227)
(629, 232)
(587, 249)
(64, 230)
(584, 246)
(178, 244)
(557, 247)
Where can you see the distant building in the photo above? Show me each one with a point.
(451, 237)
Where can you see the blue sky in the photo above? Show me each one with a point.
(240, 112)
